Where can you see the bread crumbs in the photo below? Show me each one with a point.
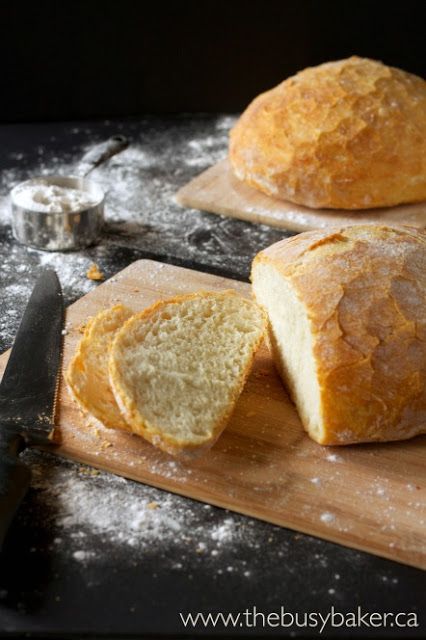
(94, 273)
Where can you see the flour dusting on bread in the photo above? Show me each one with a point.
(349, 134)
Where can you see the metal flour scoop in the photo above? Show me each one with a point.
(69, 228)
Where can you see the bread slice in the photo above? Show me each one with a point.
(87, 374)
(348, 329)
(178, 367)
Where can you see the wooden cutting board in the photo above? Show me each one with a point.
(218, 191)
(264, 465)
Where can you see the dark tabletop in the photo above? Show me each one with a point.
(61, 571)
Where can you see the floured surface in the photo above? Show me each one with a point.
(217, 190)
(90, 509)
(264, 465)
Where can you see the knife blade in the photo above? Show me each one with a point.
(28, 390)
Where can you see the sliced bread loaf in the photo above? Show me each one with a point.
(178, 367)
(346, 309)
(87, 373)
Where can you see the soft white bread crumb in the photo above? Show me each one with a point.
(347, 327)
(177, 368)
(291, 342)
(87, 373)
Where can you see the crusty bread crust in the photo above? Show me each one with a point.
(344, 135)
(364, 290)
(87, 373)
(134, 414)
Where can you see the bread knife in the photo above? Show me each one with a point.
(28, 391)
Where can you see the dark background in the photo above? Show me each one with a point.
(93, 58)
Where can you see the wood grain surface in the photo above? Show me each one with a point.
(217, 190)
(369, 497)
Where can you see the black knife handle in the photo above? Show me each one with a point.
(14, 478)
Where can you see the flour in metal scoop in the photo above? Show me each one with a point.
(40, 195)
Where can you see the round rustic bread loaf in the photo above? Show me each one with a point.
(344, 135)
(346, 309)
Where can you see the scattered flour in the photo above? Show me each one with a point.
(70, 267)
(91, 509)
(140, 183)
(333, 457)
(223, 532)
(327, 517)
(83, 555)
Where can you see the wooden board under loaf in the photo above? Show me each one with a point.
(367, 497)
(217, 190)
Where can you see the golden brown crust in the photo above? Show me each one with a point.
(129, 408)
(364, 289)
(87, 374)
(344, 135)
